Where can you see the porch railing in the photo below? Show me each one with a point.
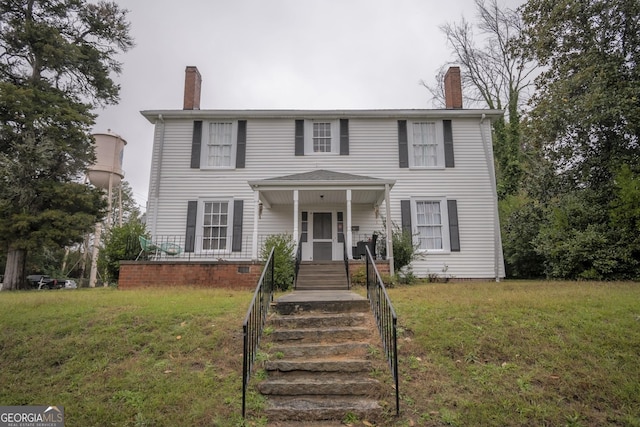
(181, 249)
(254, 323)
(345, 255)
(386, 319)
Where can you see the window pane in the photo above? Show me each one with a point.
(214, 230)
(429, 224)
(321, 137)
(220, 144)
(425, 145)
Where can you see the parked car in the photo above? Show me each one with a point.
(40, 281)
(70, 284)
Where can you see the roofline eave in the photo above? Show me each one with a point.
(265, 185)
(153, 115)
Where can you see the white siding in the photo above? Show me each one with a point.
(373, 148)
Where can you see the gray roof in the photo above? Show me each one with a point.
(320, 177)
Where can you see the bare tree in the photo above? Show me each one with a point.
(496, 74)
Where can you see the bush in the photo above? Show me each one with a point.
(120, 243)
(406, 276)
(284, 269)
(405, 250)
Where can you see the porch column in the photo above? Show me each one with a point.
(296, 237)
(389, 229)
(256, 215)
(347, 233)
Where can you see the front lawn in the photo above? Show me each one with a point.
(510, 353)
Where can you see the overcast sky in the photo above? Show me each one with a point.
(276, 54)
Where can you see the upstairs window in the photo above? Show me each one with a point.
(321, 137)
(219, 145)
(425, 145)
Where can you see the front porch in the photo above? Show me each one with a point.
(334, 215)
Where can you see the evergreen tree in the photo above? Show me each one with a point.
(55, 66)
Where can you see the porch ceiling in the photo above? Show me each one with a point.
(321, 187)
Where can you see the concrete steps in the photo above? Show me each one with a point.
(318, 366)
(316, 408)
(327, 275)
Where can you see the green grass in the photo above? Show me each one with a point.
(511, 353)
(520, 353)
(125, 358)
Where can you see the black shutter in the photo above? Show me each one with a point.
(403, 148)
(405, 215)
(454, 229)
(241, 148)
(344, 137)
(299, 138)
(196, 141)
(190, 235)
(448, 144)
(236, 239)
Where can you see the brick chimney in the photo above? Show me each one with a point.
(192, 84)
(453, 88)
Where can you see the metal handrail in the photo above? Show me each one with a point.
(386, 319)
(254, 323)
(298, 260)
(346, 264)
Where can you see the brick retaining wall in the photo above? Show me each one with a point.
(240, 275)
(211, 274)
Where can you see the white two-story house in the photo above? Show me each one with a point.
(223, 180)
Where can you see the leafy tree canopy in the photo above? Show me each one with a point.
(584, 125)
(586, 110)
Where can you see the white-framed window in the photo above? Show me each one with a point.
(426, 144)
(431, 228)
(216, 225)
(219, 145)
(322, 137)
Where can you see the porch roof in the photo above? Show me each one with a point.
(321, 187)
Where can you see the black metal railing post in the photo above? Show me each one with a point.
(298, 260)
(346, 264)
(254, 323)
(386, 319)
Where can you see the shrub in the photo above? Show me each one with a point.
(120, 243)
(404, 249)
(406, 276)
(284, 269)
